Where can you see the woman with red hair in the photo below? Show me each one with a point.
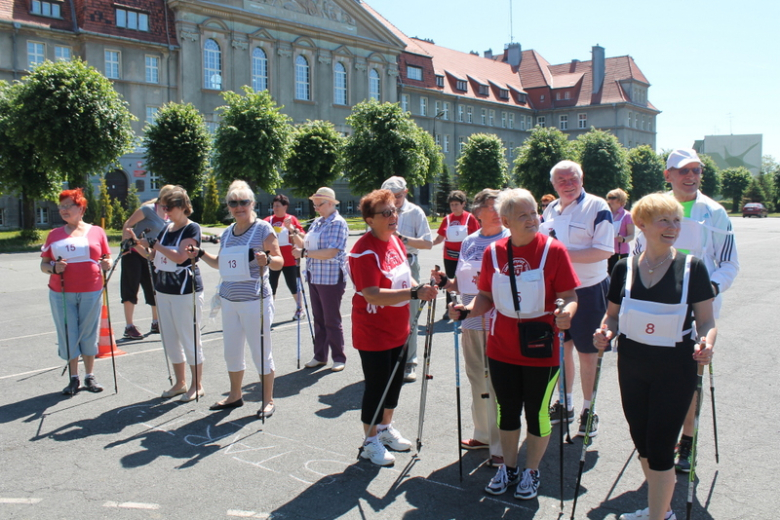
(73, 256)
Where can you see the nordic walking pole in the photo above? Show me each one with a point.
(692, 473)
(159, 321)
(306, 304)
(65, 320)
(426, 364)
(714, 417)
(299, 325)
(261, 413)
(562, 381)
(586, 439)
(379, 407)
(456, 330)
(195, 327)
(486, 393)
(110, 327)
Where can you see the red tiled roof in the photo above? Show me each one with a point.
(535, 70)
(411, 45)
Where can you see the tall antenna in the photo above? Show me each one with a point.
(511, 28)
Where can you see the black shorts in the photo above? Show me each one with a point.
(591, 308)
(377, 368)
(135, 272)
(291, 273)
(517, 385)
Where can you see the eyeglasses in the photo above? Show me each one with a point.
(318, 206)
(66, 207)
(685, 171)
(611, 197)
(237, 203)
(544, 205)
(387, 213)
(167, 209)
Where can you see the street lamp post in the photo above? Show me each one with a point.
(433, 195)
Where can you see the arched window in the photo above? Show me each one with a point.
(302, 79)
(374, 91)
(259, 70)
(212, 65)
(339, 84)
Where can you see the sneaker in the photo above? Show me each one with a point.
(528, 486)
(338, 366)
(155, 329)
(73, 387)
(644, 514)
(131, 332)
(392, 438)
(92, 385)
(299, 315)
(409, 373)
(502, 480)
(594, 425)
(682, 462)
(473, 444)
(314, 363)
(376, 452)
(555, 413)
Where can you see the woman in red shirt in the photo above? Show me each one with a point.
(380, 321)
(285, 225)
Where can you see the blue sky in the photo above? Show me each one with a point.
(714, 66)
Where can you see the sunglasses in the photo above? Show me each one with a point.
(545, 205)
(167, 209)
(685, 171)
(611, 197)
(387, 213)
(237, 203)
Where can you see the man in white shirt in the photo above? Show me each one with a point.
(415, 233)
(583, 222)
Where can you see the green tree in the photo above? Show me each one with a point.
(432, 152)
(647, 172)
(314, 160)
(104, 208)
(384, 142)
(72, 117)
(118, 215)
(771, 179)
(444, 186)
(735, 182)
(482, 164)
(21, 171)
(604, 162)
(252, 140)
(211, 201)
(177, 147)
(132, 202)
(92, 212)
(710, 181)
(543, 149)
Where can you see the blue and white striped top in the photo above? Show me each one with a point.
(247, 290)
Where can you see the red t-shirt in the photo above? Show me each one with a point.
(278, 224)
(81, 276)
(559, 276)
(385, 327)
(452, 249)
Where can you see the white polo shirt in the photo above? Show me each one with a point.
(588, 223)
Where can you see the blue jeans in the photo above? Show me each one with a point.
(83, 320)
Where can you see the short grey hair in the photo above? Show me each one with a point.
(566, 166)
(509, 198)
(481, 199)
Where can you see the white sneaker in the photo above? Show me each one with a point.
(409, 373)
(376, 452)
(338, 366)
(392, 439)
(644, 514)
(314, 363)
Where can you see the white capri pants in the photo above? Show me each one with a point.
(240, 325)
(175, 314)
(483, 411)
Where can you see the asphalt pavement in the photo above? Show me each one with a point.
(132, 455)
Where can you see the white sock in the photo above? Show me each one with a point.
(569, 402)
(668, 515)
(74, 376)
(369, 440)
(381, 427)
(90, 375)
(585, 404)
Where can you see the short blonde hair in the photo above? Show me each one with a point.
(240, 190)
(620, 195)
(509, 198)
(653, 205)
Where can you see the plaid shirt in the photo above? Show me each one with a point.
(333, 234)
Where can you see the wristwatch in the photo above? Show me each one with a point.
(405, 240)
(414, 292)
(716, 286)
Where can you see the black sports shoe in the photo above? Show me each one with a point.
(682, 462)
(92, 385)
(73, 387)
(555, 413)
(594, 425)
(155, 329)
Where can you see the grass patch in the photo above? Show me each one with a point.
(13, 242)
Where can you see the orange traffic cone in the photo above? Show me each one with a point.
(106, 343)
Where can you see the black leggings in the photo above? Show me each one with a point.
(291, 273)
(450, 267)
(656, 395)
(377, 367)
(515, 385)
(135, 272)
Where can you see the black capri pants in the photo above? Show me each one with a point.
(291, 273)
(518, 385)
(656, 392)
(135, 272)
(377, 367)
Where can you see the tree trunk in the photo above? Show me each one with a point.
(28, 212)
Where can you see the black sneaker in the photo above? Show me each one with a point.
(555, 413)
(92, 385)
(131, 332)
(594, 425)
(502, 480)
(528, 487)
(155, 329)
(73, 387)
(682, 462)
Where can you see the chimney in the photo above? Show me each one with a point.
(489, 54)
(599, 68)
(514, 54)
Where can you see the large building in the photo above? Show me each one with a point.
(318, 58)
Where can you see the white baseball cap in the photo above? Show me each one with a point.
(681, 158)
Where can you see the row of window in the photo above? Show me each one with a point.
(640, 121)
(36, 54)
(127, 18)
(563, 121)
(416, 73)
